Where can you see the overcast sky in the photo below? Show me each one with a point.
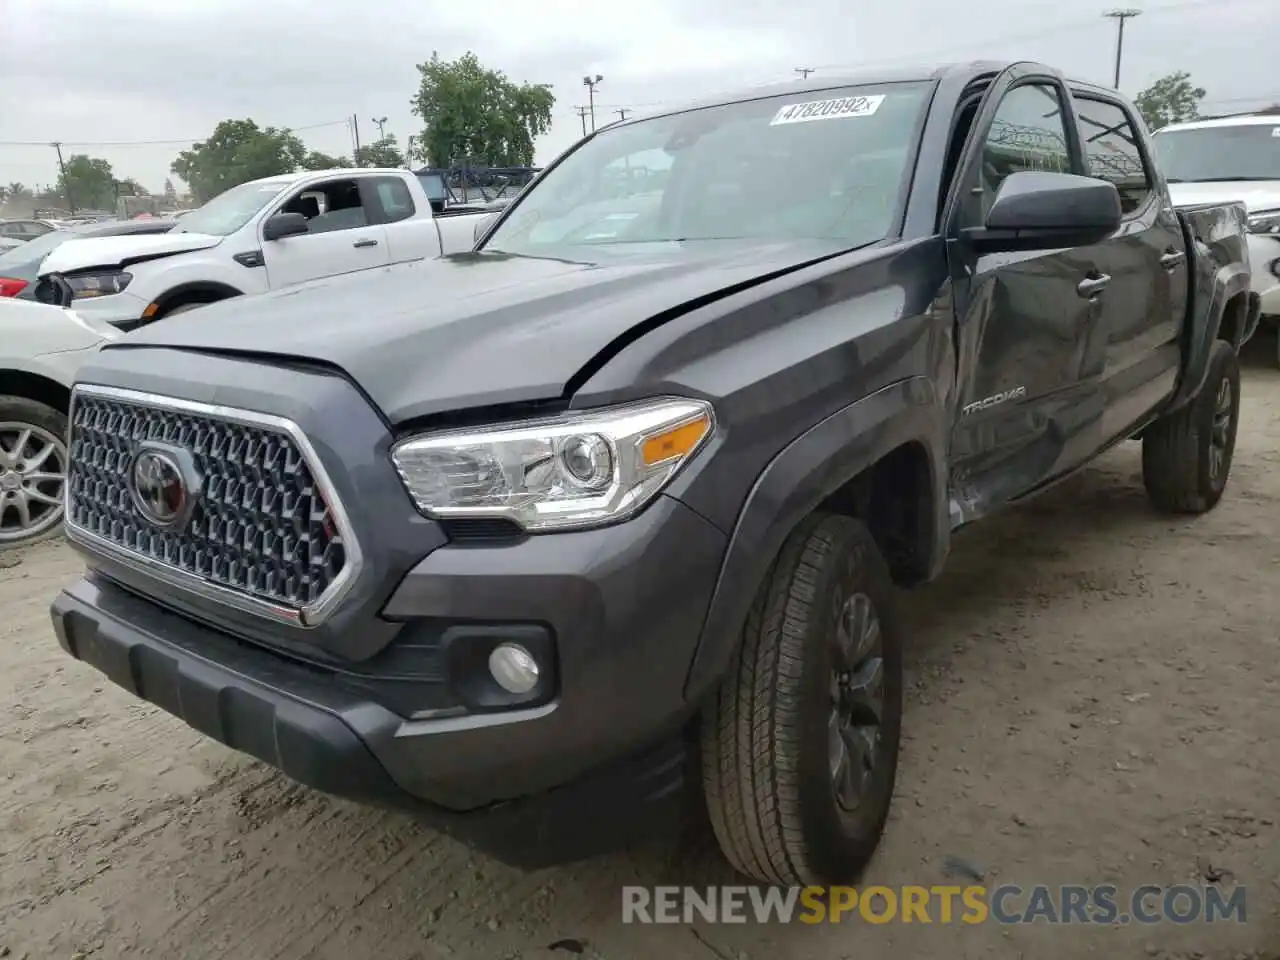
(88, 71)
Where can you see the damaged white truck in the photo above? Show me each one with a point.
(259, 236)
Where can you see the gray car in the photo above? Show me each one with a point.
(20, 265)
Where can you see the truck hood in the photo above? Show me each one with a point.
(122, 250)
(474, 329)
(1255, 194)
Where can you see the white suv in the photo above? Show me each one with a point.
(1232, 158)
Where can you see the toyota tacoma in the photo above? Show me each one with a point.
(528, 539)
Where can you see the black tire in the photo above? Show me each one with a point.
(40, 418)
(766, 744)
(1187, 454)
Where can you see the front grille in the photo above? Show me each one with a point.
(260, 525)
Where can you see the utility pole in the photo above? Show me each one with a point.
(381, 124)
(66, 181)
(355, 137)
(622, 112)
(408, 153)
(582, 115)
(804, 72)
(590, 83)
(1120, 16)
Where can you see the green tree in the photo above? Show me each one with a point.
(87, 182)
(130, 187)
(170, 193)
(478, 115)
(18, 191)
(237, 151)
(380, 153)
(322, 161)
(1171, 99)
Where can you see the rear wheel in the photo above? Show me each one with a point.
(800, 744)
(33, 470)
(1187, 454)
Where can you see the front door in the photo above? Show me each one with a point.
(1024, 321)
(344, 235)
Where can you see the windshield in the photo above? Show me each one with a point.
(823, 165)
(1244, 152)
(229, 211)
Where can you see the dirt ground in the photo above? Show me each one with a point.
(1093, 699)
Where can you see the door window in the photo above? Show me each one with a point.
(1027, 133)
(394, 198)
(1111, 151)
(329, 206)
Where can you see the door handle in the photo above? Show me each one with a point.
(365, 243)
(1090, 287)
(1172, 258)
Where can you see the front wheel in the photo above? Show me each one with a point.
(33, 470)
(1187, 454)
(800, 744)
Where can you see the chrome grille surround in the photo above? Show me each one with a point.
(269, 535)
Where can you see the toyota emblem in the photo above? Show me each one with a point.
(159, 488)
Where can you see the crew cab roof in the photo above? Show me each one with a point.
(963, 71)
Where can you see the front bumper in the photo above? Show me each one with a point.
(1264, 262)
(601, 762)
(121, 310)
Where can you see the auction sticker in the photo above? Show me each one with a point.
(835, 109)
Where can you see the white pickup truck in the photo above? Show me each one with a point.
(258, 236)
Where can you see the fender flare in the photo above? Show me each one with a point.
(1211, 296)
(803, 475)
(223, 291)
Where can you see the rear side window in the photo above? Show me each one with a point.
(394, 198)
(1111, 151)
(1027, 133)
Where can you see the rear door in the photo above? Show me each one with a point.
(345, 234)
(1136, 356)
(411, 234)
(1025, 412)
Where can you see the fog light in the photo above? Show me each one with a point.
(514, 668)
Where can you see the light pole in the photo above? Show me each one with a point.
(804, 72)
(380, 123)
(590, 83)
(1120, 16)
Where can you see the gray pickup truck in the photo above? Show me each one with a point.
(529, 540)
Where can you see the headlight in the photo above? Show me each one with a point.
(97, 284)
(1265, 221)
(578, 470)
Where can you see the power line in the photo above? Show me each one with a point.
(175, 141)
(1036, 34)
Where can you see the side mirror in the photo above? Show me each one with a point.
(284, 225)
(482, 225)
(1038, 211)
(437, 205)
